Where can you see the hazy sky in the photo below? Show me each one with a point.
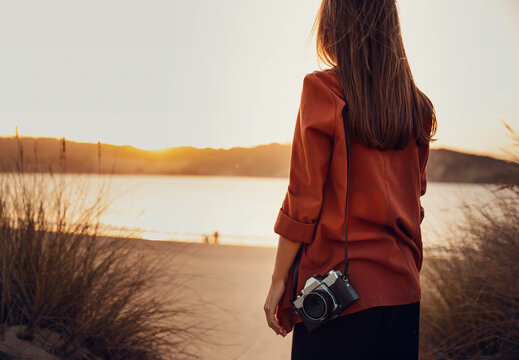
(224, 73)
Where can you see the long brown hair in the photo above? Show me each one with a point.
(361, 40)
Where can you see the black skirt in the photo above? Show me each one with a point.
(380, 332)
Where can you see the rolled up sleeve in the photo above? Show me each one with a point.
(310, 156)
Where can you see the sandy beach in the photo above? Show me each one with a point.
(233, 282)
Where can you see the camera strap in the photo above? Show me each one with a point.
(347, 136)
(346, 262)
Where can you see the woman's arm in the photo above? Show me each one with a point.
(285, 255)
(286, 252)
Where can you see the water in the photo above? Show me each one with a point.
(242, 210)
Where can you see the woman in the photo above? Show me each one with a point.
(391, 123)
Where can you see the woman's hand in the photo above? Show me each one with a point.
(277, 288)
(285, 254)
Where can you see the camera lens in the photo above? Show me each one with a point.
(317, 304)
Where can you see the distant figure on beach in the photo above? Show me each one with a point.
(216, 237)
(368, 107)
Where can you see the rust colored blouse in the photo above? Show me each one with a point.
(385, 213)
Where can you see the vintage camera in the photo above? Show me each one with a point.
(322, 299)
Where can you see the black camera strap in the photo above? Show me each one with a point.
(347, 136)
(346, 262)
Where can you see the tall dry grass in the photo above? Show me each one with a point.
(470, 303)
(97, 293)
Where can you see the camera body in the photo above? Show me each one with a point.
(323, 298)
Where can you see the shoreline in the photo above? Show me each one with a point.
(185, 243)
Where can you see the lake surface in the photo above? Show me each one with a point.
(242, 210)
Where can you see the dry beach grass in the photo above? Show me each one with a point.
(470, 287)
(95, 296)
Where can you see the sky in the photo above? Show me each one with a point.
(207, 73)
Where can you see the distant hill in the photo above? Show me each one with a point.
(453, 166)
(270, 160)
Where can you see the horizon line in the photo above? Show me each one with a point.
(285, 143)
